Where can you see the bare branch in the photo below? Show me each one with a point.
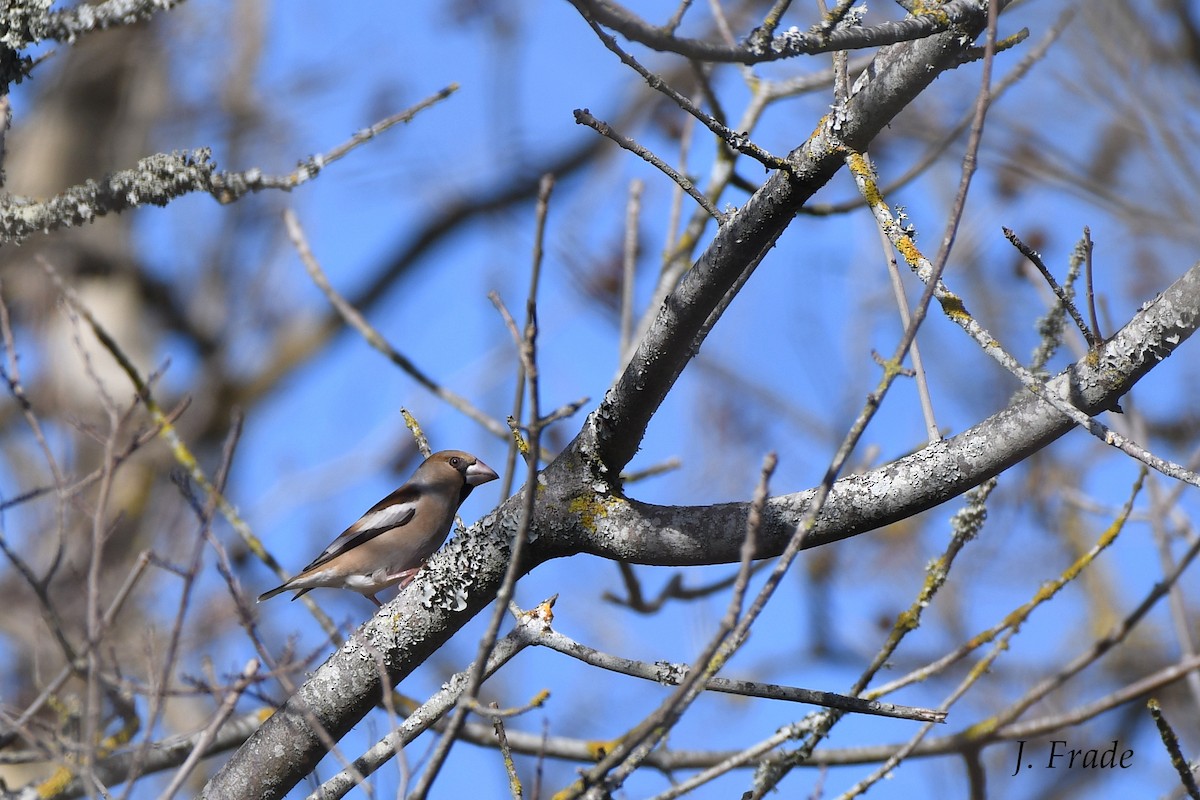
(761, 47)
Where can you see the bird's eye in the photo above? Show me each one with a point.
(455, 461)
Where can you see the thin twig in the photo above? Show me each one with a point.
(1091, 289)
(510, 767)
(956, 311)
(1019, 615)
(584, 117)
(376, 339)
(435, 707)
(672, 590)
(932, 276)
(830, 20)
(190, 574)
(671, 25)
(1170, 740)
(634, 747)
(230, 186)
(1153, 682)
(738, 141)
(1035, 258)
(671, 674)
(179, 449)
(528, 351)
(774, 16)
(545, 187)
(100, 531)
(932, 432)
(110, 615)
(629, 266)
(200, 749)
(759, 47)
(669, 465)
(1176, 603)
(935, 151)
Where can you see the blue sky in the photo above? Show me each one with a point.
(819, 279)
(802, 330)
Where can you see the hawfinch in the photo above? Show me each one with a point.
(389, 543)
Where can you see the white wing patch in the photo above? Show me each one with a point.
(389, 517)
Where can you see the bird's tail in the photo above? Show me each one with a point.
(277, 590)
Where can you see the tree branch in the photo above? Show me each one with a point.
(626, 530)
(761, 47)
(896, 77)
(461, 579)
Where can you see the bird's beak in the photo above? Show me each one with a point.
(480, 472)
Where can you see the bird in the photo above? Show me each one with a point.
(388, 544)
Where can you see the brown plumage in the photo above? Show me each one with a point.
(389, 543)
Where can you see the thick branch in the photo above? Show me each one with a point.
(463, 577)
(575, 515)
(636, 532)
(896, 77)
(156, 180)
(789, 44)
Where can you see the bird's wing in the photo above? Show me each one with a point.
(393, 511)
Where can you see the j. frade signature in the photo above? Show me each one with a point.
(1062, 756)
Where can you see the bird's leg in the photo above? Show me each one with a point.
(406, 576)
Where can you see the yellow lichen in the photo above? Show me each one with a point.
(599, 749)
(952, 304)
(908, 249)
(589, 509)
